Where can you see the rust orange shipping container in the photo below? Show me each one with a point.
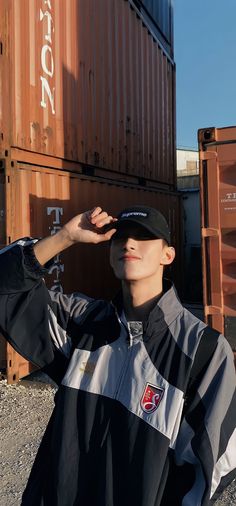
(217, 147)
(39, 200)
(87, 117)
(92, 81)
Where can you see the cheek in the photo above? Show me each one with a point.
(112, 255)
(152, 259)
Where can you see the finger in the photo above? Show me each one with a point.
(101, 215)
(110, 233)
(95, 212)
(101, 219)
(107, 236)
(105, 222)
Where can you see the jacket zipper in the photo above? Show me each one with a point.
(126, 361)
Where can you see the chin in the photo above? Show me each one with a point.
(125, 276)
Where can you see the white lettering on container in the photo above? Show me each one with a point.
(48, 3)
(57, 267)
(58, 212)
(48, 15)
(230, 197)
(47, 61)
(46, 88)
(47, 71)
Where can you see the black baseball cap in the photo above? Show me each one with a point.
(148, 217)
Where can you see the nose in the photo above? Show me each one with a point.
(129, 243)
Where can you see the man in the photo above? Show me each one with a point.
(145, 410)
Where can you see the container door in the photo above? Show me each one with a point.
(218, 196)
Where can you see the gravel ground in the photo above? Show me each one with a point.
(25, 411)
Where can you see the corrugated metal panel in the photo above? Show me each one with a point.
(41, 200)
(218, 189)
(85, 81)
(159, 16)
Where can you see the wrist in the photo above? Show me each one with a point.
(65, 238)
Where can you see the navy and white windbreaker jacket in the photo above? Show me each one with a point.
(120, 433)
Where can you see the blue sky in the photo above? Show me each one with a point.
(205, 56)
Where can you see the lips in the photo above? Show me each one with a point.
(129, 257)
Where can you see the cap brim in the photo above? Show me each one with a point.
(122, 224)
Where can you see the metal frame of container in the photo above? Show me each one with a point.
(40, 199)
(217, 150)
(88, 82)
(158, 15)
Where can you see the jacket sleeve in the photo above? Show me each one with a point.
(33, 319)
(203, 461)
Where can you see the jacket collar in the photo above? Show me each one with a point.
(163, 314)
(169, 303)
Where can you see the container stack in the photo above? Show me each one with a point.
(217, 147)
(87, 117)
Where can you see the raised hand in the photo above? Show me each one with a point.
(85, 227)
(88, 227)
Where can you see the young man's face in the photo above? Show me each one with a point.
(135, 255)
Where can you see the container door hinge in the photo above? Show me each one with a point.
(208, 155)
(210, 232)
(213, 310)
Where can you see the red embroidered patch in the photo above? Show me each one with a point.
(151, 398)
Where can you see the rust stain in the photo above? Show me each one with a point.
(93, 78)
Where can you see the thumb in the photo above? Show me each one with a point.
(107, 236)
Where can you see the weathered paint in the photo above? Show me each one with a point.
(87, 81)
(218, 195)
(161, 15)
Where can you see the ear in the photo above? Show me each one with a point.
(168, 255)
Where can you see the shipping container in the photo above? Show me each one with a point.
(91, 82)
(159, 16)
(217, 148)
(39, 200)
